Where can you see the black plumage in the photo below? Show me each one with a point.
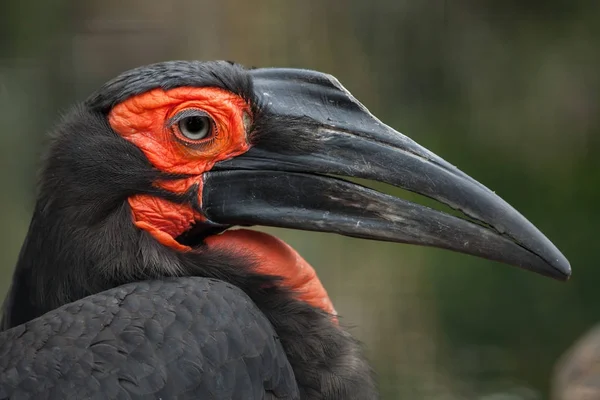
(143, 340)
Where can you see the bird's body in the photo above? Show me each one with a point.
(131, 282)
(154, 331)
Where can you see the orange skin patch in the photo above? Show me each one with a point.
(270, 255)
(143, 120)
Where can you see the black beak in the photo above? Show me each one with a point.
(310, 125)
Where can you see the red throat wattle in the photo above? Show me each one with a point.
(143, 120)
(275, 257)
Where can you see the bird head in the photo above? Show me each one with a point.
(165, 158)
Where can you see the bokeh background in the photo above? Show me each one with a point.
(506, 90)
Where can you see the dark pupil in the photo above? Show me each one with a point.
(194, 124)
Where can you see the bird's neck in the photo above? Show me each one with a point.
(273, 257)
(65, 258)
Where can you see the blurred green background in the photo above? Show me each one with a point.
(506, 90)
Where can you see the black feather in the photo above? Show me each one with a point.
(170, 75)
(174, 338)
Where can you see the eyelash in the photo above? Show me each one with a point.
(172, 125)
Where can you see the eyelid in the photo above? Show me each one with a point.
(190, 112)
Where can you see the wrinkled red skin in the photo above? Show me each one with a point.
(275, 257)
(143, 120)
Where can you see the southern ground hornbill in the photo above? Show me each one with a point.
(129, 283)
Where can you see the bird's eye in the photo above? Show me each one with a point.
(195, 127)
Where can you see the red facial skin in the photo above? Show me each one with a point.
(144, 121)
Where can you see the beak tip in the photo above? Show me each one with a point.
(566, 270)
(560, 269)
